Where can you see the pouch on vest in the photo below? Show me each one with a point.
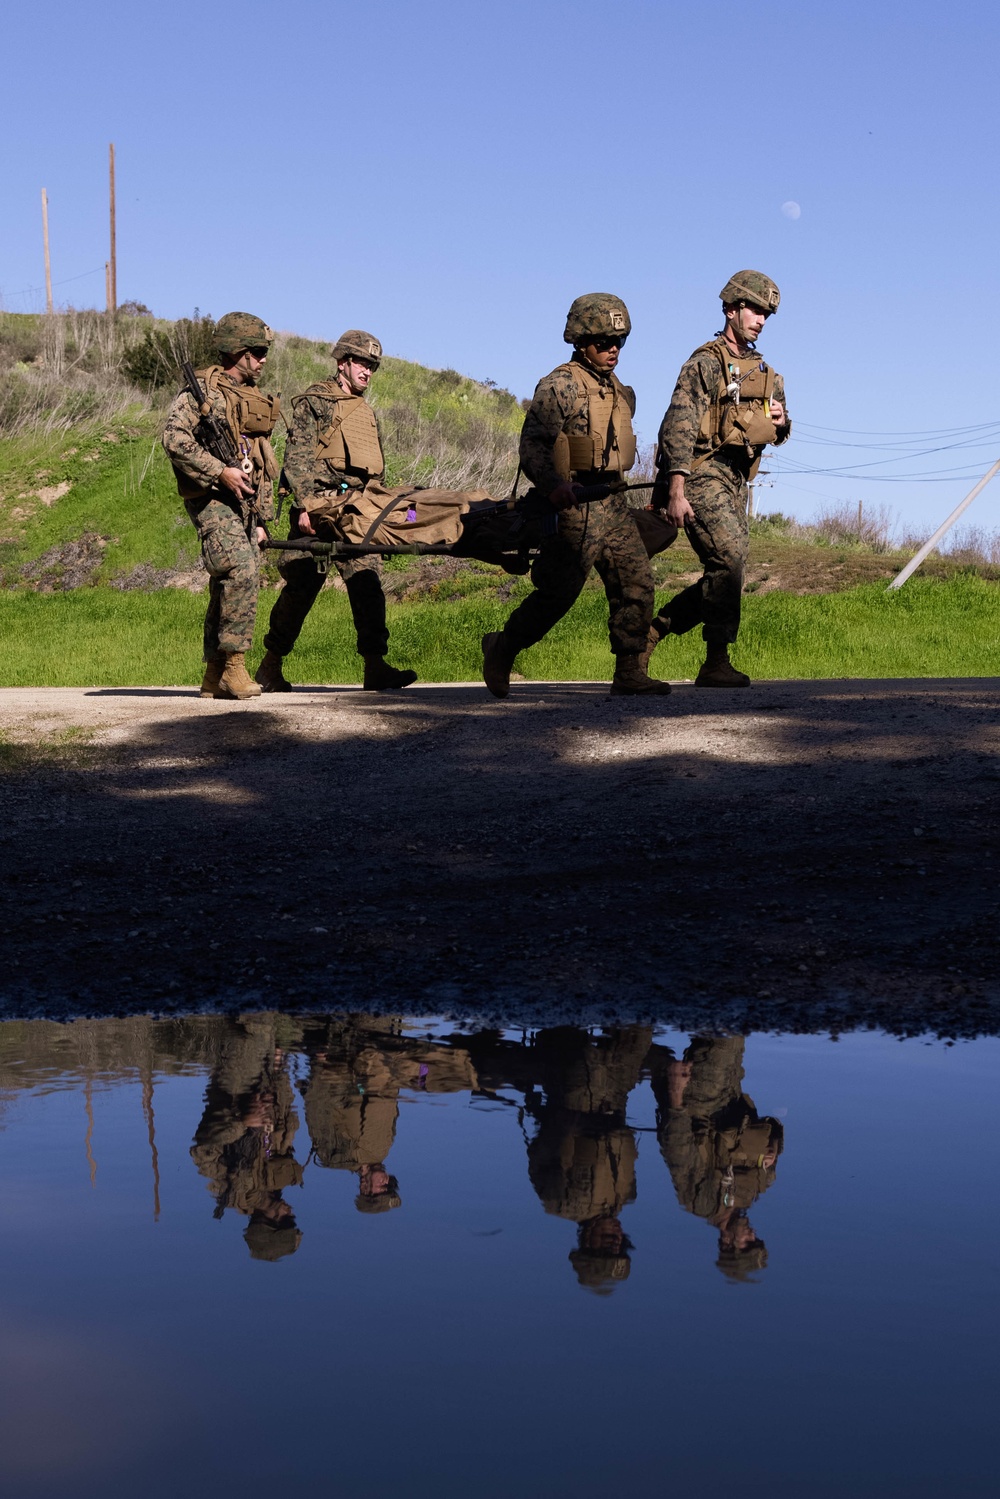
(741, 417)
(257, 413)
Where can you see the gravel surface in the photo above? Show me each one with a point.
(799, 856)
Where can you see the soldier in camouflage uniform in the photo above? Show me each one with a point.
(334, 450)
(721, 1154)
(726, 407)
(582, 1160)
(244, 1144)
(577, 433)
(229, 506)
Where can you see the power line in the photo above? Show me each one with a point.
(65, 282)
(932, 432)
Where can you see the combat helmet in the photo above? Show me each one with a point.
(598, 315)
(358, 344)
(751, 286)
(271, 1241)
(241, 330)
(598, 1271)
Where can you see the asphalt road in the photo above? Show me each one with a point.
(802, 855)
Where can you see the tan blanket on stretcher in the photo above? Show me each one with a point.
(438, 514)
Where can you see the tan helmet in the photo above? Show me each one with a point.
(751, 286)
(271, 1241)
(358, 344)
(598, 315)
(241, 330)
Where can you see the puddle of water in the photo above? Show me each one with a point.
(345, 1256)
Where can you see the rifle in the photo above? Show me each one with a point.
(216, 438)
(530, 507)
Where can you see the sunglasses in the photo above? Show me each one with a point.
(609, 341)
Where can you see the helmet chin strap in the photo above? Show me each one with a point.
(242, 365)
(739, 332)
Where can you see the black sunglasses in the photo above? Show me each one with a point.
(609, 341)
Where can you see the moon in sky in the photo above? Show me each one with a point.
(791, 209)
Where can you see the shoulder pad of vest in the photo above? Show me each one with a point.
(627, 391)
(320, 390)
(714, 346)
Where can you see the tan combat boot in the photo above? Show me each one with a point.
(380, 676)
(498, 663)
(269, 674)
(213, 671)
(631, 680)
(718, 671)
(235, 681)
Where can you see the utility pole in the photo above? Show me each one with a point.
(112, 269)
(48, 263)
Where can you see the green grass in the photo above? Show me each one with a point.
(100, 637)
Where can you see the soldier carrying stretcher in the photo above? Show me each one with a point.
(334, 465)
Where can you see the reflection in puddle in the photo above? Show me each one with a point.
(570, 1088)
(420, 1208)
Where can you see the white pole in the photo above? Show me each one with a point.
(945, 526)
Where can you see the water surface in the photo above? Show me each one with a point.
(348, 1255)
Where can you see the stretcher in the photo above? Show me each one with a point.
(505, 533)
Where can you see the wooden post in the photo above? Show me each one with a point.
(48, 263)
(860, 515)
(750, 509)
(107, 285)
(112, 263)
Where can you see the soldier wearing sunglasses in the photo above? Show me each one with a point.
(578, 433)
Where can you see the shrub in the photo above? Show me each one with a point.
(154, 360)
(844, 524)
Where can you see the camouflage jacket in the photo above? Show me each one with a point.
(558, 405)
(198, 470)
(314, 481)
(680, 440)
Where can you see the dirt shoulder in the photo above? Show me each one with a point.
(800, 856)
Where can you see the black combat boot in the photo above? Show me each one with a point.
(269, 674)
(631, 680)
(498, 663)
(380, 676)
(718, 670)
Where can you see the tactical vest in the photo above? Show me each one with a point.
(608, 446)
(251, 415)
(739, 416)
(351, 442)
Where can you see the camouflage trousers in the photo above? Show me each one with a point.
(232, 561)
(719, 535)
(602, 536)
(303, 584)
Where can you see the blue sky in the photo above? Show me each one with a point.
(451, 176)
